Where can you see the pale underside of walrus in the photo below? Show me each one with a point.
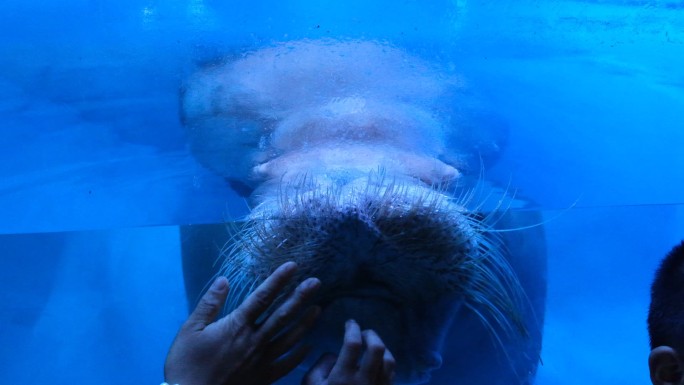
(354, 156)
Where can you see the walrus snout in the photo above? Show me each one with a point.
(379, 228)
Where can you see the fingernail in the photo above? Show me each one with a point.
(350, 323)
(311, 284)
(220, 283)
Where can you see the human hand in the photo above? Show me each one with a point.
(235, 349)
(376, 365)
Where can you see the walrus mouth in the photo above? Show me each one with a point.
(363, 292)
(380, 291)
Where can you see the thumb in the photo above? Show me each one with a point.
(209, 305)
(320, 371)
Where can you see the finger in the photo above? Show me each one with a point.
(265, 294)
(372, 361)
(352, 347)
(320, 371)
(285, 313)
(388, 365)
(210, 305)
(292, 337)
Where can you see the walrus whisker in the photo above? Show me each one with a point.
(497, 278)
(497, 209)
(473, 192)
(223, 250)
(493, 217)
(237, 284)
(488, 326)
(497, 305)
(497, 340)
(493, 312)
(239, 295)
(230, 248)
(468, 195)
(542, 223)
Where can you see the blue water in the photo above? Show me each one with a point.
(96, 175)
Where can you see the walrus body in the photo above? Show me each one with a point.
(352, 154)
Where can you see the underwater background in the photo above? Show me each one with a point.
(96, 175)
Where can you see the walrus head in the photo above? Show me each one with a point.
(341, 147)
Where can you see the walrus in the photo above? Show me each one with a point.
(359, 161)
